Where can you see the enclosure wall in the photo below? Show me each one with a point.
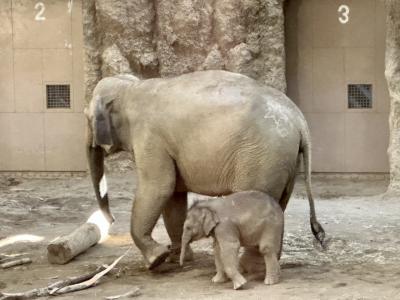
(41, 44)
(330, 45)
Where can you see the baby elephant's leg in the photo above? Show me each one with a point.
(270, 247)
(230, 260)
(273, 269)
(220, 276)
(252, 261)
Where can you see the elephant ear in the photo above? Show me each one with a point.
(210, 221)
(102, 123)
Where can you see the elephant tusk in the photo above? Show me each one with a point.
(103, 186)
(98, 219)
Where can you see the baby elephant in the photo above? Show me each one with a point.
(249, 219)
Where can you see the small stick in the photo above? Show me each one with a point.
(39, 292)
(17, 262)
(4, 260)
(8, 257)
(133, 293)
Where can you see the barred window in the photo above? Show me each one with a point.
(58, 96)
(359, 95)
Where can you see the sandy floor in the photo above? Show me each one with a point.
(362, 261)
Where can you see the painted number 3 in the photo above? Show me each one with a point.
(40, 14)
(344, 11)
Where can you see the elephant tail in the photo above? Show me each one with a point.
(316, 227)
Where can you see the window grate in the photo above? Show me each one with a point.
(58, 95)
(359, 95)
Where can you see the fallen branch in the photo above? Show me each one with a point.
(43, 292)
(74, 280)
(88, 283)
(71, 284)
(133, 293)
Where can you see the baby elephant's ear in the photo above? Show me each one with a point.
(210, 221)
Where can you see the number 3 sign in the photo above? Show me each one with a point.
(344, 11)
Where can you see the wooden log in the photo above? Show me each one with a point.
(65, 248)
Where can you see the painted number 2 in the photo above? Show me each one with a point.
(40, 14)
(344, 11)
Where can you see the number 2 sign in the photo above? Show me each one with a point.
(343, 11)
(40, 14)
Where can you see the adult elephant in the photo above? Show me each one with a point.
(209, 132)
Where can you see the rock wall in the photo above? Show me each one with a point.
(154, 38)
(392, 73)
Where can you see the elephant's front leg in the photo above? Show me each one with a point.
(229, 243)
(156, 178)
(220, 276)
(174, 216)
(229, 251)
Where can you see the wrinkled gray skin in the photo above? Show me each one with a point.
(251, 219)
(208, 132)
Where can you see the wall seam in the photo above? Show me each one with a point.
(345, 105)
(13, 56)
(71, 52)
(43, 114)
(374, 92)
(312, 60)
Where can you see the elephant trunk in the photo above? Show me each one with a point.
(185, 243)
(95, 156)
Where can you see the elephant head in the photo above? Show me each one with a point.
(199, 223)
(105, 124)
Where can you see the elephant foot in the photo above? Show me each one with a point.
(175, 252)
(219, 278)
(238, 282)
(271, 279)
(156, 256)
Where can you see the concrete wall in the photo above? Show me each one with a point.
(150, 39)
(39, 48)
(323, 56)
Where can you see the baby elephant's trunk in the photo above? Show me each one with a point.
(185, 242)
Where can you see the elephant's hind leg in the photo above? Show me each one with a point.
(272, 268)
(174, 215)
(287, 192)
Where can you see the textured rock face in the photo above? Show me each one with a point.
(392, 73)
(152, 38)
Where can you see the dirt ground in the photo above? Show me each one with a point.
(362, 261)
